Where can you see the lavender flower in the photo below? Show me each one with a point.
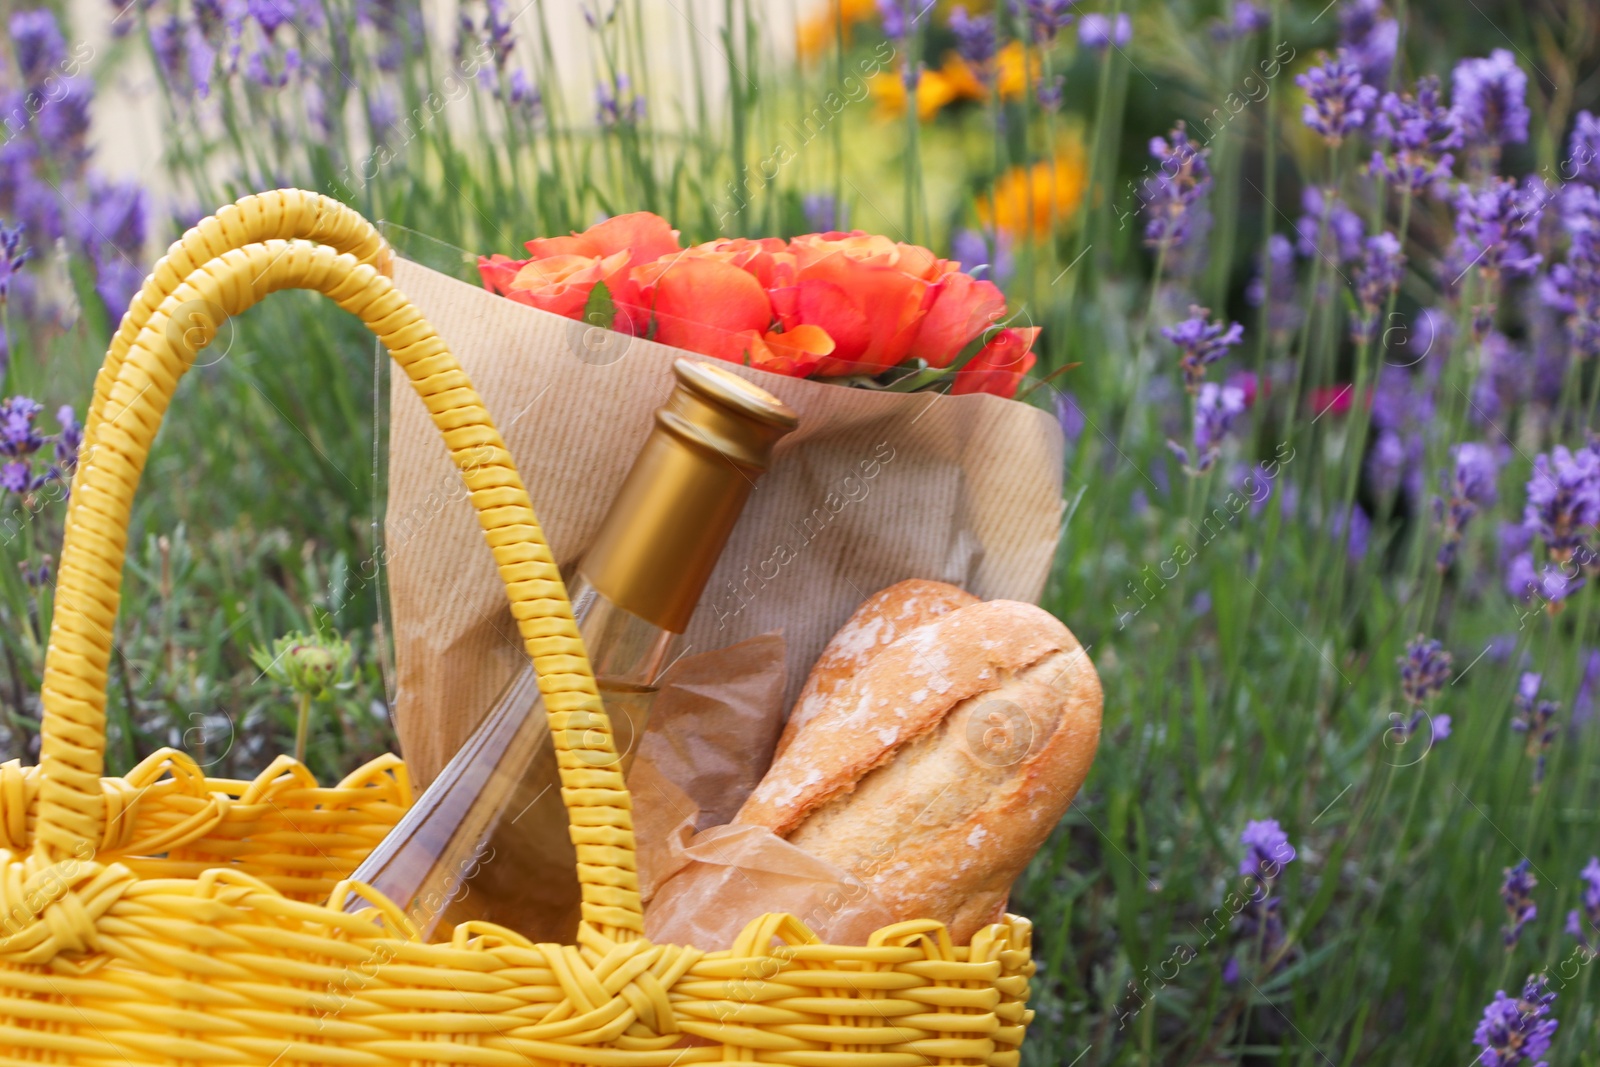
(1245, 19)
(1216, 409)
(1276, 278)
(1551, 585)
(1069, 415)
(1339, 101)
(1591, 906)
(1201, 343)
(1583, 150)
(1518, 1031)
(1100, 32)
(1563, 499)
(1534, 717)
(1267, 850)
(1045, 18)
(975, 37)
(40, 48)
(1491, 99)
(825, 214)
(897, 18)
(1170, 196)
(64, 120)
(972, 251)
(19, 439)
(1573, 288)
(1328, 228)
(1402, 407)
(1376, 281)
(1421, 133)
(524, 94)
(69, 438)
(1352, 526)
(1424, 670)
(1470, 487)
(1494, 226)
(1368, 39)
(13, 254)
(617, 104)
(1517, 890)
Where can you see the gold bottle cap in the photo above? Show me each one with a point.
(667, 527)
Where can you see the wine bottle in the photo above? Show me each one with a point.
(488, 839)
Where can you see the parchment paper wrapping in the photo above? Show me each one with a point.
(711, 736)
(872, 488)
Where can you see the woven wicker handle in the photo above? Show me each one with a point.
(219, 269)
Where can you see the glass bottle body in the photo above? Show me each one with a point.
(488, 839)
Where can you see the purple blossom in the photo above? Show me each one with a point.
(1502, 379)
(1201, 343)
(14, 252)
(975, 37)
(1517, 890)
(524, 94)
(1402, 406)
(1517, 1031)
(972, 251)
(1552, 585)
(1424, 670)
(1276, 278)
(897, 18)
(1100, 32)
(18, 437)
(1267, 850)
(1491, 99)
(1368, 39)
(40, 48)
(64, 120)
(69, 438)
(1359, 526)
(617, 104)
(1377, 279)
(1534, 717)
(1046, 18)
(1573, 288)
(1339, 101)
(1583, 150)
(1468, 488)
(1328, 228)
(1069, 415)
(1245, 19)
(1170, 196)
(1563, 499)
(1590, 911)
(824, 213)
(1217, 408)
(1494, 227)
(1420, 133)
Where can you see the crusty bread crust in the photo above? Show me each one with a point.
(882, 618)
(937, 772)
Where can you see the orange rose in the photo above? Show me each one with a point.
(963, 307)
(853, 286)
(999, 367)
(558, 284)
(763, 257)
(643, 235)
(701, 303)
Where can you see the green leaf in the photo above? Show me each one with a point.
(600, 310)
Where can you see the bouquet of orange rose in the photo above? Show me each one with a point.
(854, 307)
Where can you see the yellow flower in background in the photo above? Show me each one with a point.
(936, 89)
(1033, 201)
(815, 35)
(1012, 67)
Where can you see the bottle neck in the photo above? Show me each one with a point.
(623, 648)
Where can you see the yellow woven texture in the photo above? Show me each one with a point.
(166, 917)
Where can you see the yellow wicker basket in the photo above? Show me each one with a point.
(168, 918)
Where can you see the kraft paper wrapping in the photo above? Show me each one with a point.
(873, 488)
(711, 736)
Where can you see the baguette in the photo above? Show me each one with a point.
(936, 772)
(882, 618)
